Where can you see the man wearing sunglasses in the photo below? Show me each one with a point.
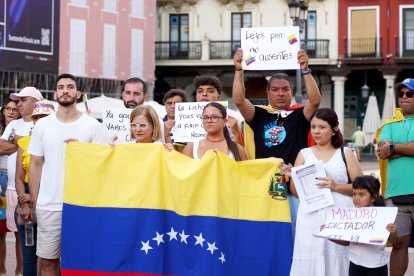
(396, 145)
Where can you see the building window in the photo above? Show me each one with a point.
(179, 35)
(78, 2)
(109, 50)
(363, 33)
(137, 8)
(310, 34)
(238, 21)
(137, 53)
(77, 46)
(110, 5)
(408, 32)
(350, 106)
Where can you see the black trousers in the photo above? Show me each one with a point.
(357, 270)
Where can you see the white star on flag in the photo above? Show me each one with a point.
(159, 238)
(211, 247)
(184, 237)
(172, 234)
(222, 259)
(146, 247)
(199, 239)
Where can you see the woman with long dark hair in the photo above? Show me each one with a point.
(214, 118)
(311, 255)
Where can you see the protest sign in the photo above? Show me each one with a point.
(270, 48)
(363, 225)
(188, 123)
(116, 123)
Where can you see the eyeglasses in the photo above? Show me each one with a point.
(408, 93)
(212, 118)
(8, 109)
(142, 126)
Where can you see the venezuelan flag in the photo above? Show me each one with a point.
(139, 209)
(292, 39)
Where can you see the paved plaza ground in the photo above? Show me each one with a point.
(368, 163)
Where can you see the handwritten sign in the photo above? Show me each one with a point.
(270, 48)
(363, 225)
(188, 123)
(116, 123)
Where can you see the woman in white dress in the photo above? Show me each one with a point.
(218, 137)
(312, 255)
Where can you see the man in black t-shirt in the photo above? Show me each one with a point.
(280, 129)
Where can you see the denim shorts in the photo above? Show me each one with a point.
(3, 182)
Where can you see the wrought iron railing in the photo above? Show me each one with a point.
(407, 46)
(223, 49)
(316, 48)
(362, 47)
(178, 50)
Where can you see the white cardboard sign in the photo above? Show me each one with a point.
(116, 123)
(188, 123)
(270, 48)
(363, 225)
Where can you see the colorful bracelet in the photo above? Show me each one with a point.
(307, 72)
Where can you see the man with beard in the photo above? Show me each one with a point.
(46, 172)
(172, 97)
(8, 146)
(134, 92)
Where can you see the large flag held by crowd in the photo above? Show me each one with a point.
(138, 209)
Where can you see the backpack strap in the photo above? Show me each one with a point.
(346, 165)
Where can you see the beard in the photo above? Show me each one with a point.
(131, 104)
(66, 102)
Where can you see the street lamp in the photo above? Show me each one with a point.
(298, 12)
(365, 89)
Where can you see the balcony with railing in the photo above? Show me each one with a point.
(178, 50)
(224, 49)
(367, 49)
(405, 53)
(316, 48)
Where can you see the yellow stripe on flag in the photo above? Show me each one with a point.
(148, 176)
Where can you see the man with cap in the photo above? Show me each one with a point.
(396, 145)
(41, 109)
(8, 145)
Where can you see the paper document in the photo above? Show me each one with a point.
(311, 197)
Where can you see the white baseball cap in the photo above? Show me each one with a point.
(28, 91)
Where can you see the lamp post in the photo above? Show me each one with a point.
(298, 12)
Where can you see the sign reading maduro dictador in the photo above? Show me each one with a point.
(363, 225)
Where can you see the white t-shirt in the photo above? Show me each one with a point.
(47, 141)
(21, 128)
(367, 255)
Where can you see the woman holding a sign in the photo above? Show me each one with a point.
(218, 137)
(312, 255)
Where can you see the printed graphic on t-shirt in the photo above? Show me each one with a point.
(273, 134)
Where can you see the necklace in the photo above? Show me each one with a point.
(215, 141)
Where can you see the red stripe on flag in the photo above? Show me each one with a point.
(72, 272)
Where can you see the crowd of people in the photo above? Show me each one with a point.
(34, 136)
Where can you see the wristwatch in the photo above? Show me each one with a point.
(392, 148)
(11, 138)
